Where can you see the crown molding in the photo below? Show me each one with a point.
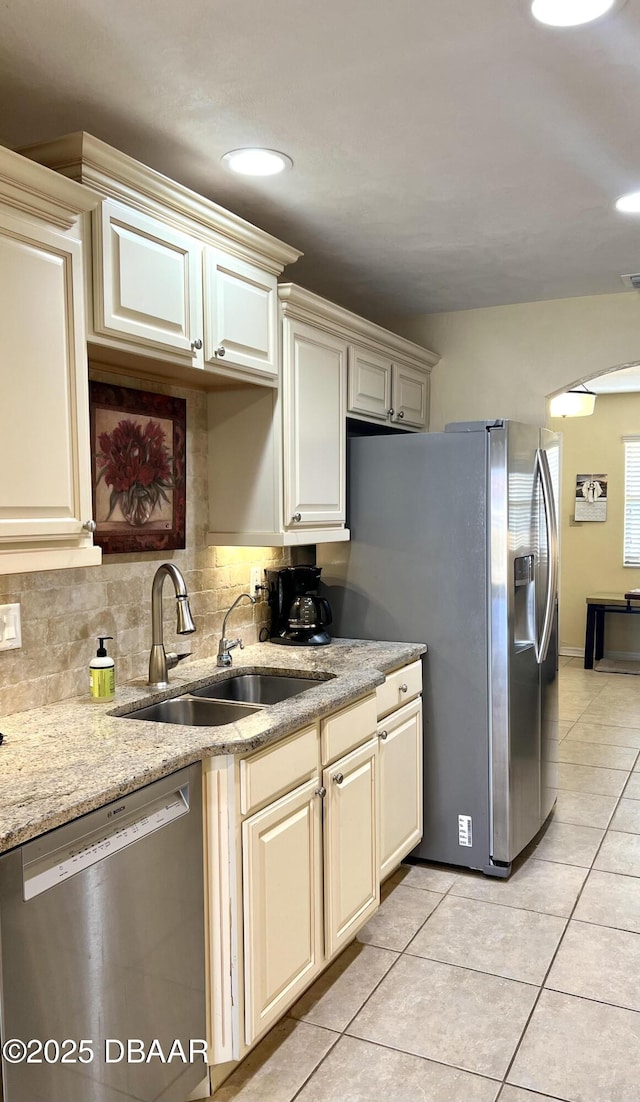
(302, 305)
(82, 157)
(32, 189)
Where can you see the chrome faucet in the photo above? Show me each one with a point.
(225, 646)
(159, 661)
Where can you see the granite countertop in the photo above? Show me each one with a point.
(66, 759)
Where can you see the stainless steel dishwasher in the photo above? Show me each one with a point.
(102, 953)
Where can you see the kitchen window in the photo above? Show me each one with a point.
(631, 500)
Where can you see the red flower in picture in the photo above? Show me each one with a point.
(135, 462)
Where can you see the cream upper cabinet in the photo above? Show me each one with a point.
(44, 443)
(277, 462)
(369, 384)
(282, 893)
(410, 397)
(277, 473)
(400, 789)
(314, 384)
(351, 872)
(146, 281)
(241, 316)
(382, 388)
(177, 279)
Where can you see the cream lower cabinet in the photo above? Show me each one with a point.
(400, 769)
(291, 842)
(400, 765)
(282, 893)
(352, 881)
(46, 509)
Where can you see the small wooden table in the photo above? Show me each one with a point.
(597, 606)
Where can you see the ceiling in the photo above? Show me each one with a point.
(447, 154)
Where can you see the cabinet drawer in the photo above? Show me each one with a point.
(276, 769)
(399, 687)
(347, 729)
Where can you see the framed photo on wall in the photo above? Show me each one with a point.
(138, 463)
(591, 496)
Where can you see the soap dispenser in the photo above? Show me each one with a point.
(102, 673)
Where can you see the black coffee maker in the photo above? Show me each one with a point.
(298, 616)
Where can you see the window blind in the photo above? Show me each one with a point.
(632, 501)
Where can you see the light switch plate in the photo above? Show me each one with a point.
(10, 627)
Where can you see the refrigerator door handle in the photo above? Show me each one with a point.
(542, 467)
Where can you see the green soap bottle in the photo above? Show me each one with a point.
(102, 674)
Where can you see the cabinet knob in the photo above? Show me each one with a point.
(90, 525)
(221, 351)
(390, 412)
(196, 345)
(404, 689)
(338, 778)
(321, 792)
(384, 735)
(296, 518)
(400, 414)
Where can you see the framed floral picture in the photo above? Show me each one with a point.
(138, 458)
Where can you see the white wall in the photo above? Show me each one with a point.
(503, 360)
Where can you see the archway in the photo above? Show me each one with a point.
(592, 534)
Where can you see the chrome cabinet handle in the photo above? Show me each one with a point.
(221, 351)
(404, 689)
(384, 735)
(338, 778)
(321, 792)
(196, 345)
(390, 412)
(296, 518)
(400, 414)
(90, 525)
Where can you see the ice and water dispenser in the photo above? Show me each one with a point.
(524, 600)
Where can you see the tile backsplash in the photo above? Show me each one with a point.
(64, 610)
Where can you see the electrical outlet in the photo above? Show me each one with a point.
(256, 579)
(10, 627)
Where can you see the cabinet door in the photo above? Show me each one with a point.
(410, 396)
(147, 284)
(282, 892)
(400, 770)
(314, 427)
(44, 442)
(351, 878)
(369, 384)
(241, 316)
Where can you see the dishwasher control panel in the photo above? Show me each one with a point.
(53, 868)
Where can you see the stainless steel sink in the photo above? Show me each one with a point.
(193, 712)
(257, 688)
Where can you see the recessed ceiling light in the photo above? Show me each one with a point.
(629, 204)
(257, 162)
(570, 13)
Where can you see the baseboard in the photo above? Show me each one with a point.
(571, 652)
(625, 655)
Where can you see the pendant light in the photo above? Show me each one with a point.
(573, 403)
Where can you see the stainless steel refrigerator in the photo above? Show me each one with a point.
(454, 543)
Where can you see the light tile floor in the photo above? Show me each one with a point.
(468, 989)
